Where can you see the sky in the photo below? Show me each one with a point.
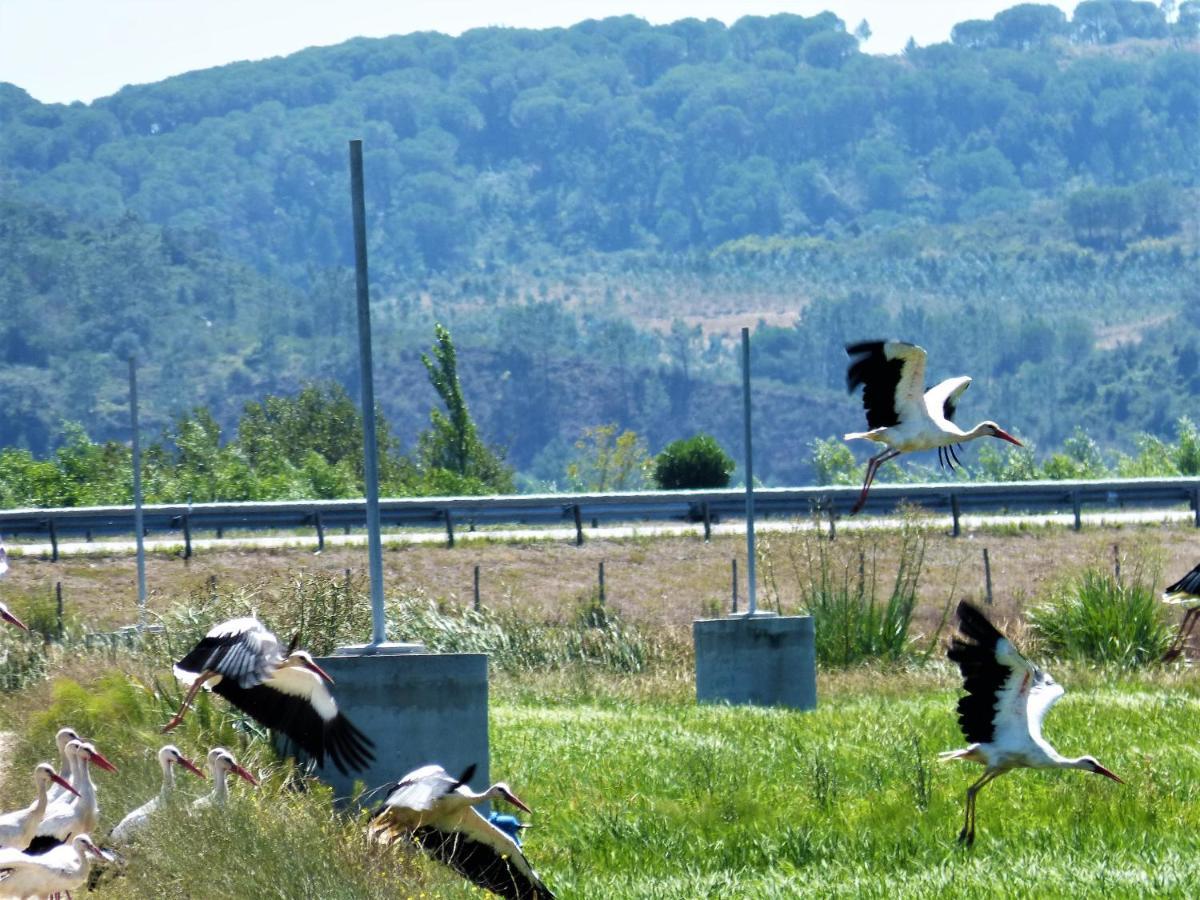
(66, 50)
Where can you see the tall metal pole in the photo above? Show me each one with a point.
(751, 592)
(370, 450)
(137, 492)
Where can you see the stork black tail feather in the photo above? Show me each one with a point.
(464, 778)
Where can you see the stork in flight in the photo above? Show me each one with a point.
(1185, 590)
(60, 870)
(18, 828)
(1002, 711)
(168, 757)
(437, 811)
(901, 413)
(286, 691)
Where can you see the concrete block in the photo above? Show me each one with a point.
(765, 660)
(417, 707)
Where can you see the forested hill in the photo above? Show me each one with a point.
(595, 209)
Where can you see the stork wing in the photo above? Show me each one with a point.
(241, 650)
(892, 374)
(484, 855)
(296, 703)
(941, 400)
(1186, 589)
(1004, 692)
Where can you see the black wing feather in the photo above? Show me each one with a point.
(983, 675)
(1188, 584)
(43, 843)
(347, 747)
(878, 376)
(949, 408)
(480, 864)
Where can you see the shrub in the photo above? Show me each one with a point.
(1098, 617)
(695, 462)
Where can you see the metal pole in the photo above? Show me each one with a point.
(751, 592)
(370, 450)
(137, 493)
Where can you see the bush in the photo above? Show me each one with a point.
(1097, 617)
(695, 462)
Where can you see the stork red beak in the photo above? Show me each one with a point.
(63, 783)
(101, 761)
(9, 617)
(92, 848)
(1100, 770)
(189, 765)
(238, 770)
(516, 801)
(1005, 436)
(313, 667)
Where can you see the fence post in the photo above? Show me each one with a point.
(1196, 505)
(733, 583)
(1117, 562)
(477, 589)
(187, 536)
(53, 541)
(58, 602)
(601, 582)
(827, 502)
(955, 512)
(578, 514)
(987, 576)
(707, 523)
(449, 528)
(1075, 509)
(320, 531)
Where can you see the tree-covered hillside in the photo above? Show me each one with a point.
(594, 210)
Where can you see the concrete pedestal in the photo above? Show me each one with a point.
(765, 660)
(417, 707)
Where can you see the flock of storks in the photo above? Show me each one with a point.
(46, 847)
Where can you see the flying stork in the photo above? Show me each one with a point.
(135, 821)
(286, 691)
(901, 413)
(1185, 590)
(18, 828)
(65, 819)
(61, 869)
(220, 764)
(437, 811)
(1002, 711)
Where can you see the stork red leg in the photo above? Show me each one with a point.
(196, 685)
(873, 465)
(967, 835)
(1185, 629)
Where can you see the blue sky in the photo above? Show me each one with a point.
(66, 50)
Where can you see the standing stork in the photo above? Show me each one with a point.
(1002, 711)
(64, 819)
(135, 821)
(66, 763)
(220, 764)
(286, 691)
(62, 869)
(18, 828)
(901, 413)
(1185, 590)
(437, 811)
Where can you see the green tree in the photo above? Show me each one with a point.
(604, 460)
(695, 462)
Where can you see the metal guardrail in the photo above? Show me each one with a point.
(705, 506)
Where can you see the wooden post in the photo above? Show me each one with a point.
(449, 528)
(733, 583)
(1196, 506)
(53, 542)
(477, 589)
(1117, 562)
(347, 574)
(212, 586)
(955, 512)
(187, 536)
(58, 602)
(987, 576)
(320, 531)
(1075, 509)
(601, 582)
(707, 523)
(578, 514)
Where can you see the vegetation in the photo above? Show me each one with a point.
(695, 462)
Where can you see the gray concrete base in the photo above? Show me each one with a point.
(765, 660)
(417, 707)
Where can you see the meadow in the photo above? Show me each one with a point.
(636, 790)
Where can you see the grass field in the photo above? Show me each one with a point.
(638, 792)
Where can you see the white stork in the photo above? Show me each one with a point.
(62, 869)
(1185, 590)
(1002, 711)
(220, 764)
(437, 811)
(242, 661)
(9, 617)
(66, 763)
(135, 821)
(18, 828)
(65, 819)
(901, 413)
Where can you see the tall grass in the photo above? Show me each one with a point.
(839, 582)
(1097, 617)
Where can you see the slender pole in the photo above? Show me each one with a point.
(370, 449)
(137, 492)
(751, 592)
